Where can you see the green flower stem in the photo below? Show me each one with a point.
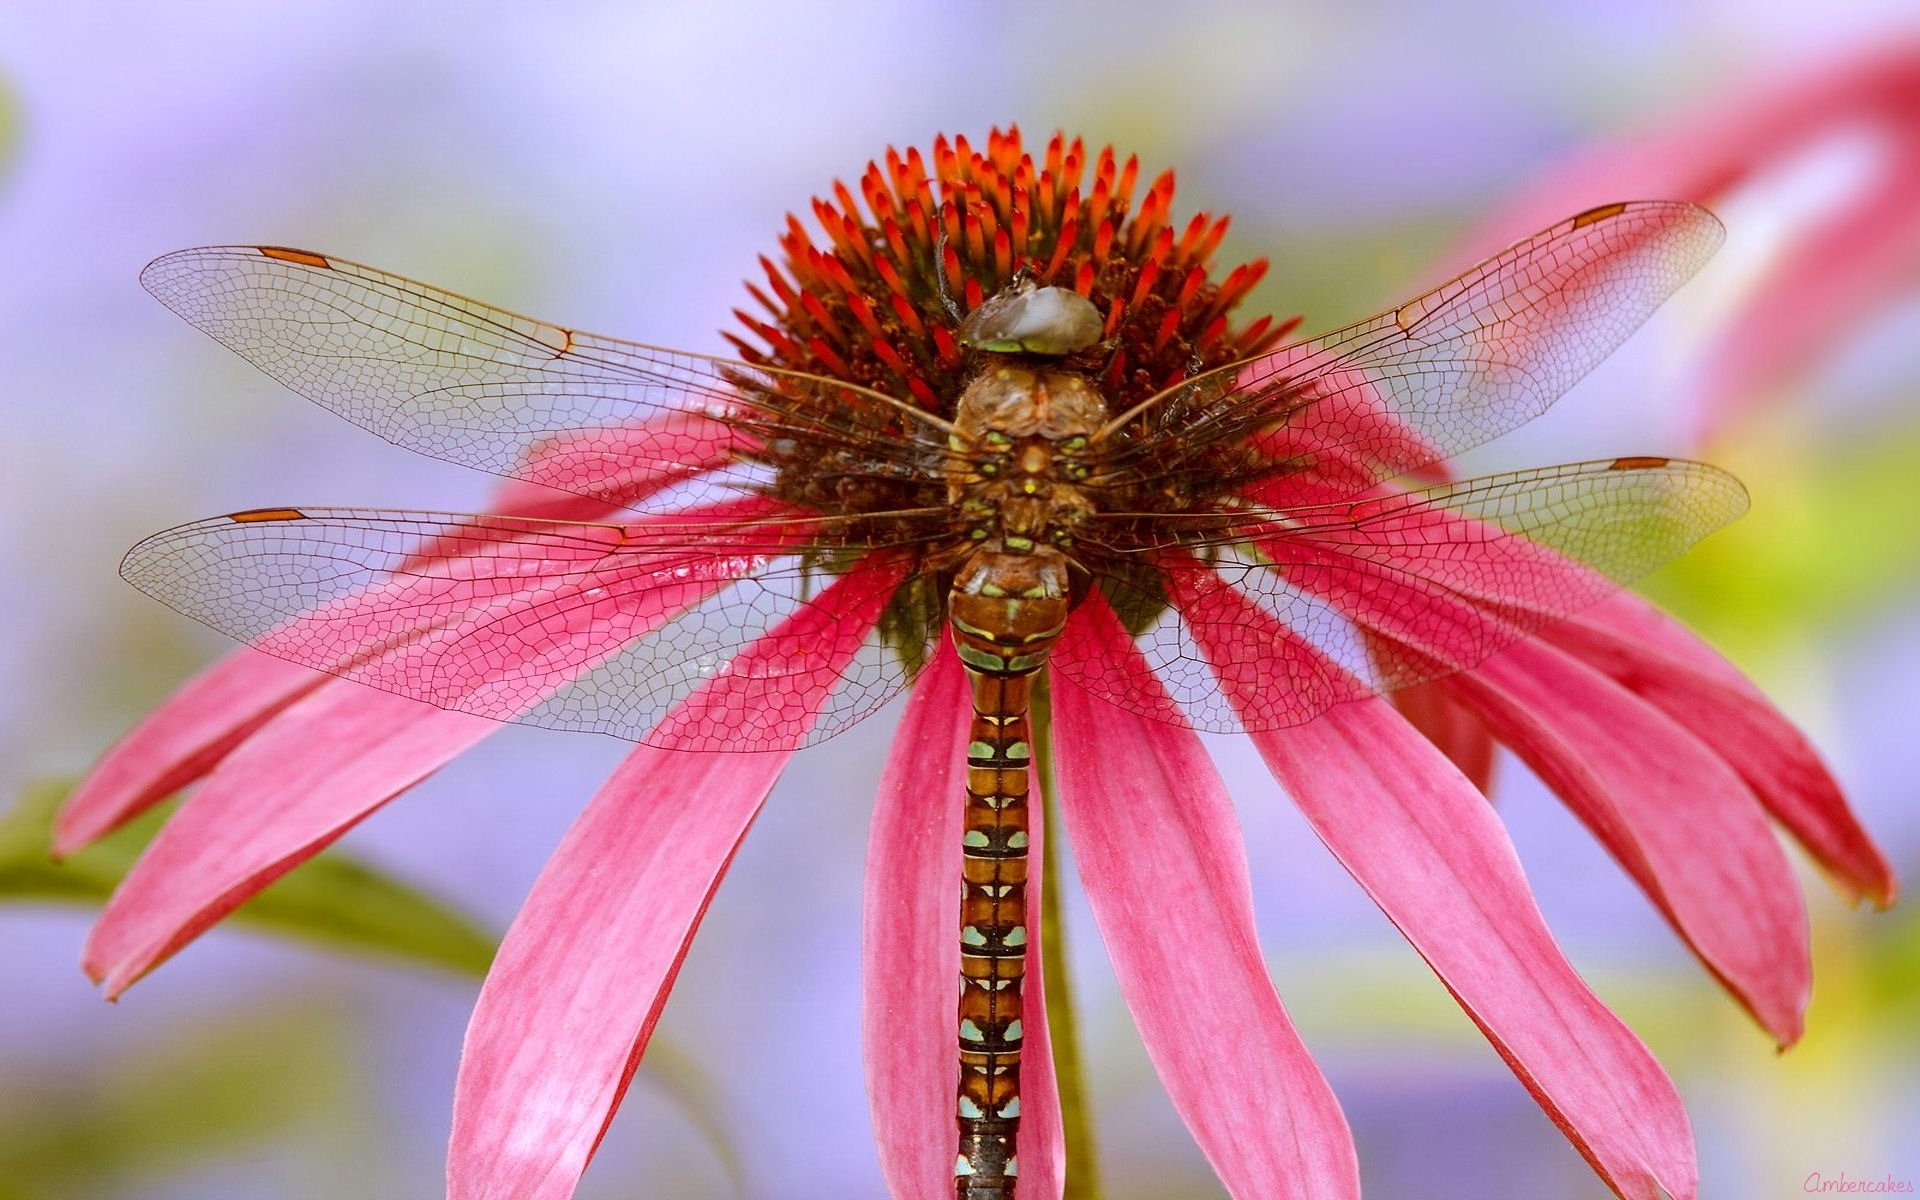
(1083, 1180)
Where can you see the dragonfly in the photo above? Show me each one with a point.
(757, 558)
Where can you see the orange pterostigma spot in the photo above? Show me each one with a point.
(267, 514)
(305, 258)
(1599, 214)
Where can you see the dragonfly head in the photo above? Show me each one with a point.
(1024, 319)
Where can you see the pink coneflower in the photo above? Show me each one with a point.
(998, 430)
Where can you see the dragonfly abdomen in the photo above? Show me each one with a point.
(1006, 612)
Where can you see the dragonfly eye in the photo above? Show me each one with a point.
(1030, 320)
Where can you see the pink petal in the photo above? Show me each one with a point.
(516, 614)
(629, 463)
(912, 957)
(1454, 730)
(308, 775)
(247, 827)
(1661, 662)
(912, 961)
(1043, 1144)
(300, 781)
(1355, 436)
(766, 696)
(516, 498)
(577, 986)
(1432, 854)
(177, 743)
(579, 981)
(1632, 616)
(1420, 589)
(1673, 813)
(1177, 918)
(208, 716)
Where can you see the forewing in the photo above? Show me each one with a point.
(1383, 593)
(693, 634)
(463, 381)
(1458, 366)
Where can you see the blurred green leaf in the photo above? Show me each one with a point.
(9, 127)
(1894, 965)
(679, 1077)
(1829, 537)
(331, 899)
(1343, 271)
(223, 1084)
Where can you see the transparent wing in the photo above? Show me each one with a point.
(1377, 594)
(1449, 370)
(463, 381)
(728, 634)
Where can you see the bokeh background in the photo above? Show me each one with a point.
(618, 167)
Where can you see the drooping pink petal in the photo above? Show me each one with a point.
(1455, 731)
(1414, 832)
(1395, 589)
(573, 995)
(1178, 925)
(299, 782)
(1632, 616)
(204, 719)
(1468, 589)
(627, 464)
(218, 850)
(910, 923)
(1345, 463)
(1432, 854)
(1043, 1146)
(488, 615)
(912, 958)
(517, 499)
(1672, 812)
(1659, 660)
(579, 981)
(1440, 578)
(771, 686)
(180, 741)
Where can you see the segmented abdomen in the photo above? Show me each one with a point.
(1003, 642)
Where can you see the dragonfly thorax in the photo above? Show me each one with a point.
(1018, 445)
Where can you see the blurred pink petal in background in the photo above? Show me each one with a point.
(1846, 247)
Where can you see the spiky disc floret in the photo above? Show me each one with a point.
(878, 305)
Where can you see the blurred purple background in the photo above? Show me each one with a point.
(619, 167)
